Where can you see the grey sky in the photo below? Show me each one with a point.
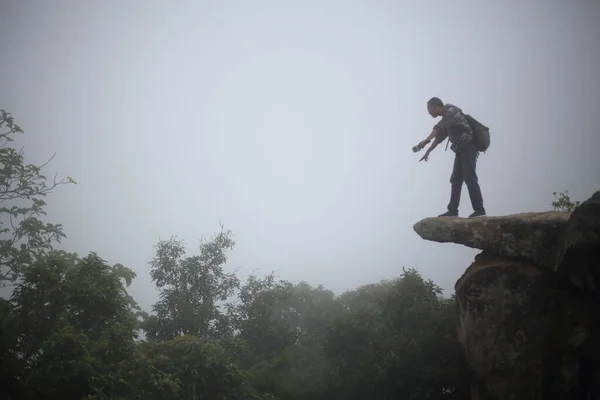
(292, 123)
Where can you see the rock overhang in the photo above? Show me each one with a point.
(532, 237)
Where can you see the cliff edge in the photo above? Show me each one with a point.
(530, 302)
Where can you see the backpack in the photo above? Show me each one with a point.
(481, 133)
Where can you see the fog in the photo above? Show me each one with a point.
(292, 124)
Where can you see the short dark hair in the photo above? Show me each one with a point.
(435, 101)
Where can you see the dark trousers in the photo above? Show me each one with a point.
(465, 163)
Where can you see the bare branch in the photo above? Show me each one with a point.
(47, 162)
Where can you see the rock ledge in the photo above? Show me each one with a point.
(531, 237)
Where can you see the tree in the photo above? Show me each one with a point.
(188, 367)
(422, 338)
(563, 202)
(396, 339)
(70, 330)
(23, 236)
(192, 290)
(255, 321)
(284, 326)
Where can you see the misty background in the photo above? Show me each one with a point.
(292, 124)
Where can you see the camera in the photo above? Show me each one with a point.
(419, 147)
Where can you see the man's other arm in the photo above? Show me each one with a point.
(432, 135)
(440, 136)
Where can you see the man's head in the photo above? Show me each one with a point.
(435, 107)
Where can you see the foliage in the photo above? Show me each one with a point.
(69, 330)
(191, 289)
(191, 368)
(401, 328)
(23, 236)
(563, 202)
(72, 329)
(285, 326)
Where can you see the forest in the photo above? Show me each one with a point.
(70, 330)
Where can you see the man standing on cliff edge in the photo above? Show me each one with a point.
(455, 126)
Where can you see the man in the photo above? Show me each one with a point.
(455, 126)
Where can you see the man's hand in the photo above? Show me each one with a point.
(429, 150)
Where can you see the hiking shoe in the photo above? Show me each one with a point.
(477, 214)
(449, 214)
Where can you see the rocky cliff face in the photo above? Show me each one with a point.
(530, 302)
